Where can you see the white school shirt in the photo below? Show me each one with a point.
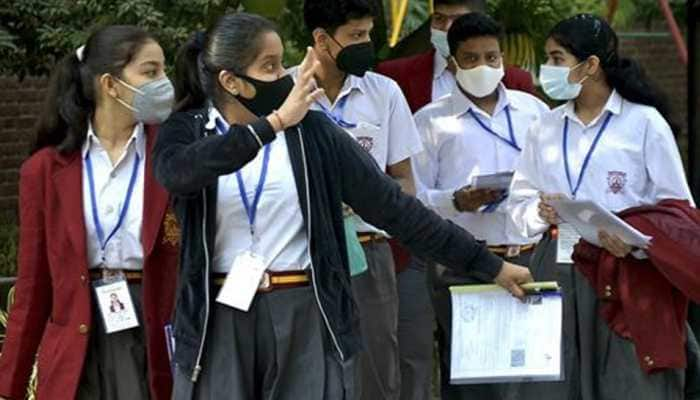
(124, 249)
(457, 149)
(636, 162)
(444, 81)
(279, 223)
(385, 126)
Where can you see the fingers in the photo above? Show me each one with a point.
(308, 60)
(613, 244)
(517, 291)
(308, 75)
(315, 95)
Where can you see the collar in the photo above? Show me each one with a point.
(137, 140)
(351, 83)
(439, 65)
(461, 104)
(212, 116)
(614, 105)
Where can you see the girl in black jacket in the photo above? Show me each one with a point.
(258, 182)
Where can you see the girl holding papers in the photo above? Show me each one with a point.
(611, 143)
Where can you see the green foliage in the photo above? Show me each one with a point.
(47, 30)
(7, 40)
(641, 14)
(9, 236)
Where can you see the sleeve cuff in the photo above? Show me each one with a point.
(486, 265)
(264, 130)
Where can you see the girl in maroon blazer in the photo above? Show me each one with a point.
(94, 227)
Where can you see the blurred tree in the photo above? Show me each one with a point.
(46, 30)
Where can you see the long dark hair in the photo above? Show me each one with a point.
(71, 97)
(232, 44)
(587, 35)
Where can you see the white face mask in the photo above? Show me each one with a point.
(555, 82)
(439, 40)
(480, 81)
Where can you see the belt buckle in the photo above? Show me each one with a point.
(512, 251)
(265, 283)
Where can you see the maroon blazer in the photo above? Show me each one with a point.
(52, 311)
(415, 77)
(646, 301)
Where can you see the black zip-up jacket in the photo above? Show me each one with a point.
(188, 161)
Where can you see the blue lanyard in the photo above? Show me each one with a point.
(93, 201)
(251, 210)
(337, 117)
(586, 160)
(512, 143)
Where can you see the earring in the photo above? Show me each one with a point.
(234, 92)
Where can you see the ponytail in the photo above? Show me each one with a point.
(587, 35)
(63, 122)
(232, 44)
(628, 78)
(189, 71)
(71, 97)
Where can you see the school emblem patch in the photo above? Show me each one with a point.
(366, 142)
(171, 229)
(616, 181)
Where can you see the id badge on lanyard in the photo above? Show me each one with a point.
(112, 291)
(568, 236)
(115, 303)
(248, 268)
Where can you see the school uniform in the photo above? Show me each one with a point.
(373, 110)
(424, 78)
(249, 349)
(460, 142)
(72, 198)
(293, 342)
(626, 157)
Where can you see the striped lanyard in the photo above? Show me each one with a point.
(93, 202)
(511, 142)
(586, 161)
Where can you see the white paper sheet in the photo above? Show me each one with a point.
(567, 238)
(588, 218)
(499, 181)
(497, 338)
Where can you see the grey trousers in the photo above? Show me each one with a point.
(278, 350)
(415, 332)
(115, 367)
(376, 296)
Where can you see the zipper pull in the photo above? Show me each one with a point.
(195, 374)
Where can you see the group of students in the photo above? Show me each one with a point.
(242, 214)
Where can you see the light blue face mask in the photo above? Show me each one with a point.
(555, 82)
(439, 40)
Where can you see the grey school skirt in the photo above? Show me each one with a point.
(278, 350)
(599, 364)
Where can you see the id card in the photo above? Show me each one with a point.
(242, 281)
(567, 239)
(116, 306)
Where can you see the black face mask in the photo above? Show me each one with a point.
(355, 59)
(269, 96)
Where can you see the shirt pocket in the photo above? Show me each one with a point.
(368, 136)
